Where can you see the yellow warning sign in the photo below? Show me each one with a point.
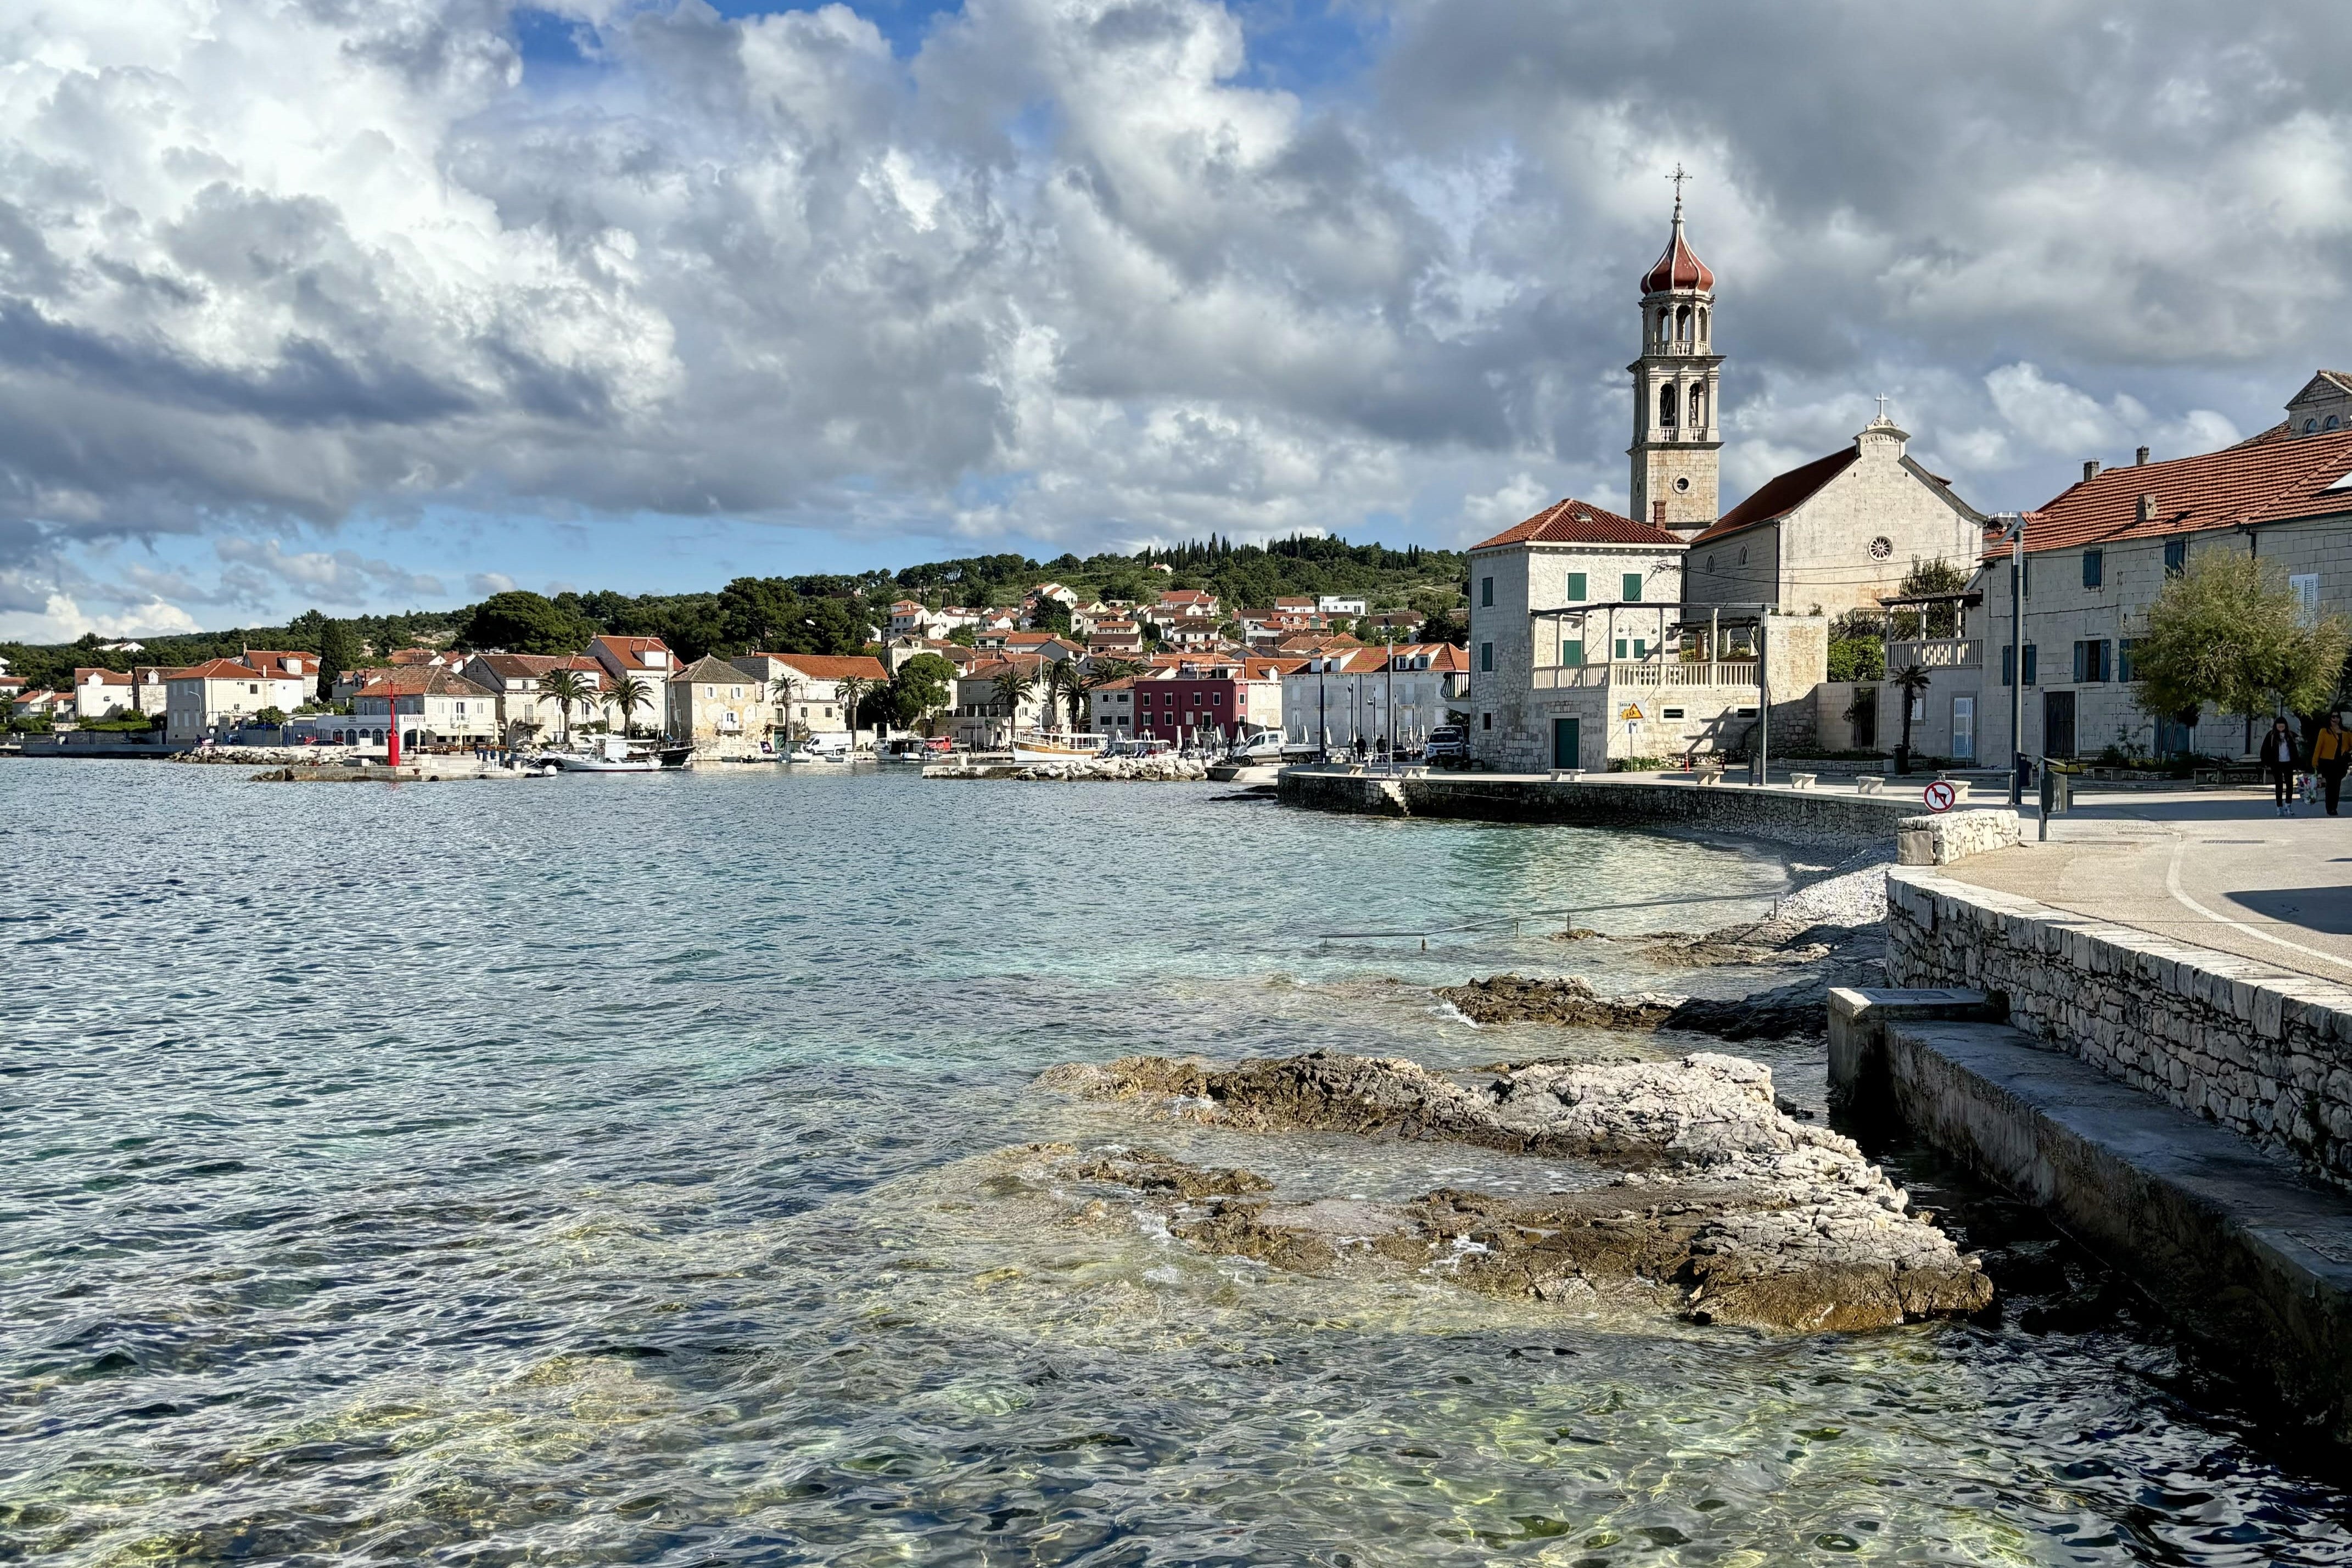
(1630, 713)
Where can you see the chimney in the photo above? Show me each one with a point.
(1658, 513)
(2141, 460)
(2147, 508)
(2089, 470)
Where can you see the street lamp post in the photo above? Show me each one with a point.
(2015, 528)
(1322, 724)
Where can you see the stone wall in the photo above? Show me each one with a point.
(1953, 835)
(2263, 1051)
(1779, 815)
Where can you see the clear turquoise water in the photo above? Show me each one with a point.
(597, 1171)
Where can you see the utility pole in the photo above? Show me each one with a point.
(2013, 525)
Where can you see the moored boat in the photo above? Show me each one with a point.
(615, 755)
(1076, 748)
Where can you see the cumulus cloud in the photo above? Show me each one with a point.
(482, 585)
(1075, 270)
(330, 577)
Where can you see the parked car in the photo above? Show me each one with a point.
(1447, 742)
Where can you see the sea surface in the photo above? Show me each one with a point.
(600, 1170)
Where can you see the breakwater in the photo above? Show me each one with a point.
(1779, 815)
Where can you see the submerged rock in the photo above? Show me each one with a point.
(1731, 1211)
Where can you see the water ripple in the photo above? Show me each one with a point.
(597, 1172)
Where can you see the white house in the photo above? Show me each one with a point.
(978, 718)
(524, 711)
(1372, 692)
(646, 660)
(220, 692)
(2097, 554)
(102, 694)
(815, 705)
(435, 707)
(1350, 604)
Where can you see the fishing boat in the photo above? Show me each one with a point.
(1076, 748)
(614, 757)
(916, 749)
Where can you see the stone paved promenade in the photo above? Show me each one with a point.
(2219, 869)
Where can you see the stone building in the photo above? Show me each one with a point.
(2097, 554)
(1584, 650)
(1838, 533)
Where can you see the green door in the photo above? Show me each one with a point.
(1564, 746)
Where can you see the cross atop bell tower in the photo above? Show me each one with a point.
(1676, 441)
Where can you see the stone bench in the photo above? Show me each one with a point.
(1803, 781)
(1870, 783)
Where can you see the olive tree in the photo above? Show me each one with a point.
(2228, 631)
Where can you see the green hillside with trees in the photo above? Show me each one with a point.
(813, 613)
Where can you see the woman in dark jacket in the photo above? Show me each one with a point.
(2278, 757)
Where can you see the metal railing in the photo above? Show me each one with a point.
(1937, 652)
(1648, 673)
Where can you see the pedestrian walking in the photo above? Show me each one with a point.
(2331, 754)
(2278, 759)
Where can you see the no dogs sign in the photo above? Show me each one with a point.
(1939, 795)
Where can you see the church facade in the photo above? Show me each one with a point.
(1838, 533)
(1596, 636)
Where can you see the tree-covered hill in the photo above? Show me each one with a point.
(810, 614)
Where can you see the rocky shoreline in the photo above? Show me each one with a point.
(1835, 929)
(1724, 1209)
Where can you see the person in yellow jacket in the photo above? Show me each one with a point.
(2331, 754)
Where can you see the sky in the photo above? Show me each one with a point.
(377, 305)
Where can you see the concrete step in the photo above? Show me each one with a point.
(2247, 1255)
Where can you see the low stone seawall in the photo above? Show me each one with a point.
(1778, 815)
(2261, 1050)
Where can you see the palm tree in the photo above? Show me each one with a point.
(1013, 685)
(1911, 682)
(627, 694)
(1065, 686)
(568, 691)
(782, 690)
(852, 689)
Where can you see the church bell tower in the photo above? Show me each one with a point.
(1676, 441)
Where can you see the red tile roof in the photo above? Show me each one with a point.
(1677, 267)
(85, 675)
(2252, 483)
(414, 682)
(1572, 521)
(225, 669)
(831, 667)
(1781, 494)
(407, 657)
(526, 665)
(273, 660)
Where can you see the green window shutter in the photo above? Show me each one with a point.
(1632, 587)
(1620, 648)
(1641, 647)
(1572, 652)
(1576, 586)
